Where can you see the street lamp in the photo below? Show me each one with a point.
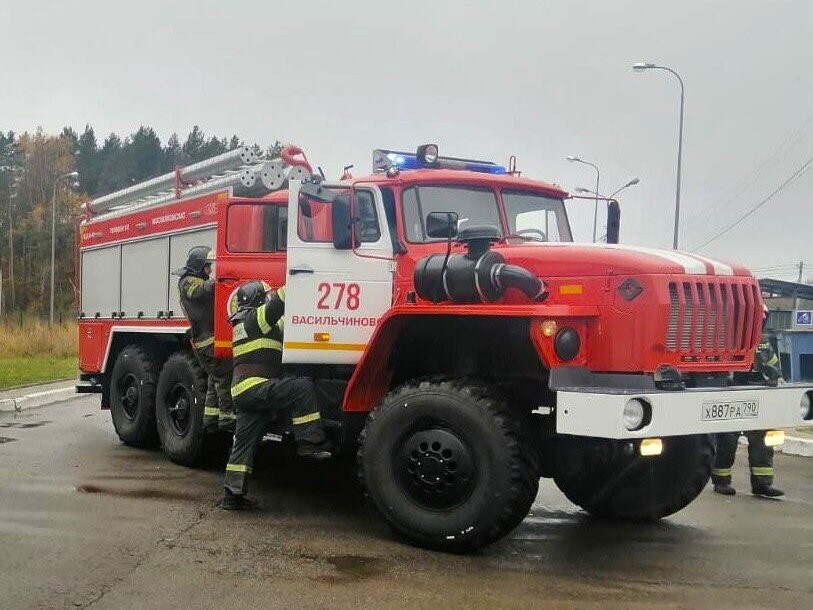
(574, 159)
(641, 67)
(53, 237)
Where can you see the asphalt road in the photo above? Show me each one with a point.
(86, 521)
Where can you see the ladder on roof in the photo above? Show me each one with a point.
(243, 169)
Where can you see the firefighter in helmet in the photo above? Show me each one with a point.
(766, 370)
(197, 296)
(261, 393)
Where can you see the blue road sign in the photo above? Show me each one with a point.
(804, 318)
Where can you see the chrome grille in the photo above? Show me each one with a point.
(712, 316)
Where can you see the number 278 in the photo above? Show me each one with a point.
(332, 296)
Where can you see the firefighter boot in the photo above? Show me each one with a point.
(724, 489)
(315, 451)
(233, 501)
(767, 491)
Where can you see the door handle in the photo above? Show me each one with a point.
(225, 280)
(302, 269)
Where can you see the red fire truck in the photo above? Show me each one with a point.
(462, 344)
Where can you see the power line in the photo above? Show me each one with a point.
(776, 191)
(752, 177)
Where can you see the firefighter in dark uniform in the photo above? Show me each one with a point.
(261, 393)
(760, 456)
(197, 296)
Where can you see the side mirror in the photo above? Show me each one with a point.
(343, 225)
(441, 225)
(613, 222)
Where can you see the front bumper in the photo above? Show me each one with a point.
(598, 412)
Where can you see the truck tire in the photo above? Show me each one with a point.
(179, 408)
(609, 479)
(447, 464)
(132, 396)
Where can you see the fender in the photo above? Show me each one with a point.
(371, 378)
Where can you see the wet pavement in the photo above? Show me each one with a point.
(88, 522)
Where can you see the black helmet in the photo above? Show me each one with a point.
(251, 294)
(197, 258)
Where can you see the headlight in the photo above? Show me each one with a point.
(637, 414)
(804, 407)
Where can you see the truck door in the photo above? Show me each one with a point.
(335, 295)
(251, 246)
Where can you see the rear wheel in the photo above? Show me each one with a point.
(179, 408)
(447, 464)
(132, 396)
(609, 479)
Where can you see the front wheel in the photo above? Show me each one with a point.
(448, 465)
(609, 479)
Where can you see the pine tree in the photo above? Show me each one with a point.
(88, 161)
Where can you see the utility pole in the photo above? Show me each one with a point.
(801, 273)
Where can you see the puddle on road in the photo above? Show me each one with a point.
(352, 568)
(143, 492)
(24, 425)
(6, 439)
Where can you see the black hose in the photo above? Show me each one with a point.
(512, 276)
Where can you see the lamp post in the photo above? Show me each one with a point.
(574, 159)
(53, 238)
(633, 182)
(641, 67)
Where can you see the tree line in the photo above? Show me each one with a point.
(31, 164)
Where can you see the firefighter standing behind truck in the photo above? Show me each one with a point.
(760, 456)
(260, 392)
(197, 296)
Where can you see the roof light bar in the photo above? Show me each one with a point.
(427, 158)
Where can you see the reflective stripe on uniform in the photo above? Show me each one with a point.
(281, 293)
(265, 327)
(226, 416)
(246, 384)
(721, 472)
(306, 419)
(251, 346)
(193, 285)
(204, 343)
(762, 471)
(208, 411)
(238, 468)
(281, 324)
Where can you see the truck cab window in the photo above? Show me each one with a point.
(473, 206)
(252, 228)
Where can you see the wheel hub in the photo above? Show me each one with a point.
(129, 396)
(436, 468)
(180, 410)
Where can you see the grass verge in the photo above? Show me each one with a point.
(35, 369)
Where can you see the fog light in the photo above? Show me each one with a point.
(651, 446)
(567, 344)
(774, 438)
(548, 328)
(635, 414)
(804, 407)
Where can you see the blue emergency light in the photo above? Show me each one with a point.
(427, 158)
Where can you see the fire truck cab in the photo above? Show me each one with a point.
(462, 344)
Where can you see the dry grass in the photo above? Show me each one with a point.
(38, 339)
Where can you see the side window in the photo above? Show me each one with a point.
(255, 227)
(369, 230)
(315, 223)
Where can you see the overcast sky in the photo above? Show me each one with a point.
(538, 79)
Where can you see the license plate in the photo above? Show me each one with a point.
(729, 409)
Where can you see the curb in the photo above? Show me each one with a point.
(38, 399)
(797, 446)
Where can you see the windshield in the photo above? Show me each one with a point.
(535, 216)
(474, 206)
(530, 216)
